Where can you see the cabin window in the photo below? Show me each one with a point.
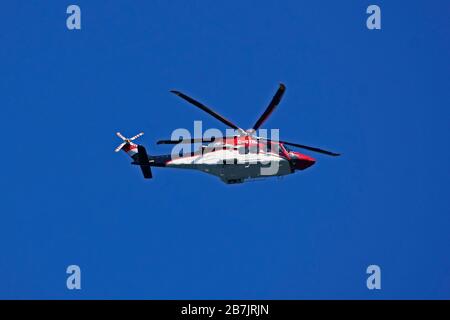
(264, 146)
(244, 150)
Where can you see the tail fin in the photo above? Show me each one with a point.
(144, 163)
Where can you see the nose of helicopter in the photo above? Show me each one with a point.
(301, 161)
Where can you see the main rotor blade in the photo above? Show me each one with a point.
(310, 148)
(272, 105)
(188, 141)
(206, 109)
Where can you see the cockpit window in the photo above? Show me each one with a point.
(273, 147)
(281, 150)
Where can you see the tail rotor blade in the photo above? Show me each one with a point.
(120, 147)
(136, 136)
(121, 136)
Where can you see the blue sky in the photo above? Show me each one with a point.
(379, 97)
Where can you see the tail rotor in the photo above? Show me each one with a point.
(126, 141)
(136, 152)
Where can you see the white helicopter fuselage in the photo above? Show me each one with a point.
(234, 166)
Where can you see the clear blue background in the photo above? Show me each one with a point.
(380, 97)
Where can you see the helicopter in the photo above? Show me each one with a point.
(236, 158)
